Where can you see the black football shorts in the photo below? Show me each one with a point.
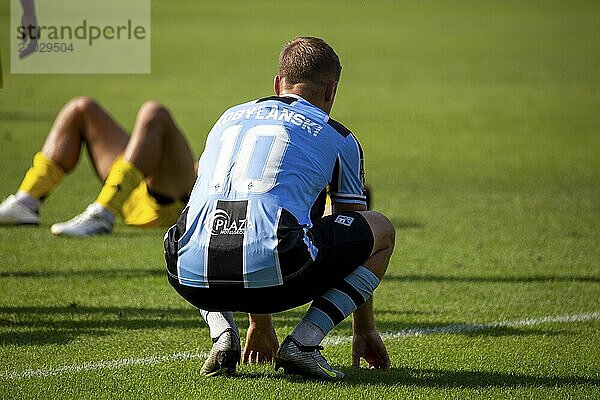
(344, 241)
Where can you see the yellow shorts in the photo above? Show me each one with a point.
(142, 210)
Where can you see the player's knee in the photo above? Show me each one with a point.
(383, 230)
(153, 111)
(389, 232)
(82, 104)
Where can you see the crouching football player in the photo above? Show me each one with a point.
(249, 241)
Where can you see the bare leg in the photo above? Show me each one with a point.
(384, 237)
(82, 120)
(160, 151)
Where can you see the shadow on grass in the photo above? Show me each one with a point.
(132, 232)
(404, 223)
(160, 271)
(448, 379)
(492, 279)
(99, 273)
(27, 326)
(121, 232)
(429, 378)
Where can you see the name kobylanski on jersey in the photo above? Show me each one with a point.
(274, 113)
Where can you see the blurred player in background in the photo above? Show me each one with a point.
(252, 238)
(147, 176)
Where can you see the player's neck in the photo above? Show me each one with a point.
(300, 90)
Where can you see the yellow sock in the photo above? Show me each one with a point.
(123, 177)
(42, 177)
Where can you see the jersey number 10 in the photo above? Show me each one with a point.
(257, 162)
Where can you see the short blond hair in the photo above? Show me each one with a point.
(309, 59)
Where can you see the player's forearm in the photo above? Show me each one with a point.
(363, 319)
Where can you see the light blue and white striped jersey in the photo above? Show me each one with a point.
(264, 165)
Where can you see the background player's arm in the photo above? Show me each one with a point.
(261, 340)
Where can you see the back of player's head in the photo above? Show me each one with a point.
(310, 60)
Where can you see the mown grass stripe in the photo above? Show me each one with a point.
(329, 341)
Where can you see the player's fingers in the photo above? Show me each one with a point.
(381, 362)
(384, 358)
(261, 358)
(386, 363)
(245, 357)
(355, 360)
(269, 357)
(378, 364)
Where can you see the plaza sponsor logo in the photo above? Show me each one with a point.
(220, 223)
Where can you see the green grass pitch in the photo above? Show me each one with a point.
(480, 122)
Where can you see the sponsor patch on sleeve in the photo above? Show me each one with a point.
(344, 220)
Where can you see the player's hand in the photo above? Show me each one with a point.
(368, 345)
(261, 341)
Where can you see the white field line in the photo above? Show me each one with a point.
(470, 328)
(329, 341)
(92, 366)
